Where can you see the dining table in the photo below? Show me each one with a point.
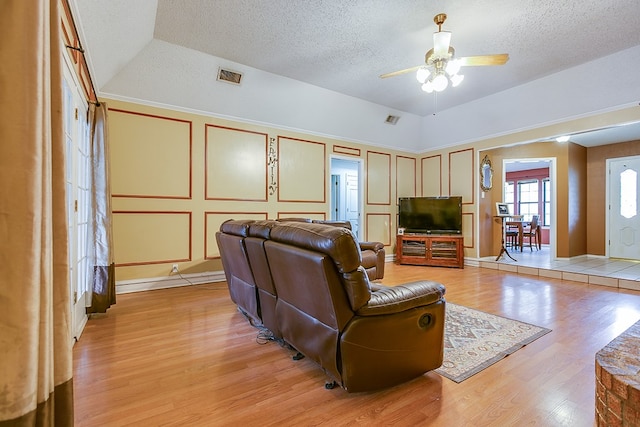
(521, 225)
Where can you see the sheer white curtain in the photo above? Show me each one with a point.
(103, 292)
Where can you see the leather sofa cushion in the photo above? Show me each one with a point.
(369, 258)
(236, 227)
(337, 242)
(371, 246)
(358, 288)
(262, 229)
(394, 299)
(334, 222)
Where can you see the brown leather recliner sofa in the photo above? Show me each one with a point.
(373, 253)
(238, 272)
(312, 292)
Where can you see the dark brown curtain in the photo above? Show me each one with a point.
(36, 387)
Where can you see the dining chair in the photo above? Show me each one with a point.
(511, 232)
(532, 232)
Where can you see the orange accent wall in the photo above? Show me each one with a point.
(577, 200)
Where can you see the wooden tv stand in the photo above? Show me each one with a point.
(439, 250)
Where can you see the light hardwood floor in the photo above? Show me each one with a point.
(186, 356)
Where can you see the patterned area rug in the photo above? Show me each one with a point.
(474, 340)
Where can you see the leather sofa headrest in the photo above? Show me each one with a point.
(237, 227)
(293, 219)
(262, 228)
(337, 242)
(335, 223)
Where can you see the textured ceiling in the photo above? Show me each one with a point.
(345, 45)
(135, 46)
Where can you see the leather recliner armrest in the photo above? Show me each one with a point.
(372, 246)
(394, 299)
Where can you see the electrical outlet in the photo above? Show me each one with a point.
(174, 269)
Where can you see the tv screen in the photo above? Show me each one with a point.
(441, 215)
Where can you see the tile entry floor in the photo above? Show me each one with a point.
(590, 269)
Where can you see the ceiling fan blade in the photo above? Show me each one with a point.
(498, 59)
(441, 42)
(399, 72)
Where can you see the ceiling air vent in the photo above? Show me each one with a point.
(392, 120)
(229, 76)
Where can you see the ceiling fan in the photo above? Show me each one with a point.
(441, 65)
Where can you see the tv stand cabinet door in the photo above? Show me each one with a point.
(446, 251)
(430, 249)
(411, 249)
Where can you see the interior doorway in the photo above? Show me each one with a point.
(532, 183)
(623, 222)
(346, 192)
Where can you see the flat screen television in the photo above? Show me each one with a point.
(438, 215)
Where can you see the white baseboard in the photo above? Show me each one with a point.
(472, 262)
(173, 281)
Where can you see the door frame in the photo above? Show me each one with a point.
(553, 244)
(78, 300)
(360, 171)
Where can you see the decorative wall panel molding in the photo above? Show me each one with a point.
(212, 222)
(301, 170)
(461, 163)
(236, 164)
(150, 155)
(379, 228)
(151, 237)
(378, 178)
(405, 177)
(468, 230)
(350, 151)
(431, 176)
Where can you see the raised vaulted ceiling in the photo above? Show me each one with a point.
(345, 45)
(314, 65)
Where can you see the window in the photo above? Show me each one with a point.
(528, 199)
(509, 196)
(628, 193)
(546, 194)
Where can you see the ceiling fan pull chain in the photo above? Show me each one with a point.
(435, 103)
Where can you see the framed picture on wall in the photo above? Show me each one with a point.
(502, 209)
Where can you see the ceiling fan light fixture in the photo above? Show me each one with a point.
(441, 66)
(423, 74)
(456, 80)
(453, 66)
(441, 42)
(440, 82)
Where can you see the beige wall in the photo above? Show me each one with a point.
(177, 176)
